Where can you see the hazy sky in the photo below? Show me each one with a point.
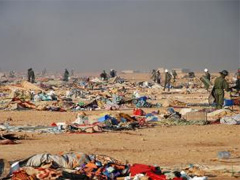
(141, 34)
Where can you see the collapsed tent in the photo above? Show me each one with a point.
(82, 166)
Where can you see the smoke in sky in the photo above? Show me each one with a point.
(96, 35)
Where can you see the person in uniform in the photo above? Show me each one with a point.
(103, 75)
(158, 77)
(31, 75)
(167, 82)
(66, 75)
(174, 73)
(153, 77)
(206, 79)
(113, 73)
(207, 74)
(220, 85)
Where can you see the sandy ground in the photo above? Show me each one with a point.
(166, 146)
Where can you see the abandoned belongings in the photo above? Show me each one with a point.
(82, 124)
(70, 165)
(8, 139)
(174, 118)
(141, 102)
(78, 165)
(231, 120)
(121, 121)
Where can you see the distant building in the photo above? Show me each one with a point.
(181, 70)
(129, 71)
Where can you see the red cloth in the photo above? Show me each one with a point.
(236, 101)
(140, 168)
(138, 112)
(53, 124)
(154, 176)
(145, 169)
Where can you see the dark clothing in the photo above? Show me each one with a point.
(113, 73)
(66, 75)
(191, 75)
(220, 85)
(174, 75)
(167, 82)
(31, 75)
(158, 77)
(103, 75)
(237, 86)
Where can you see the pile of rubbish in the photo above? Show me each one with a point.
(93, 95)
(82, 166)
(86, 124)
(107, 122)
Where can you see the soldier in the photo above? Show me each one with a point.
(66, 75)
(31, 75)
(174, 73)
(103, 75)
(113, 73)
(206, 79)
(207, 74)
(220, 85)
(158, 77)
(153, 77)
(167, 82)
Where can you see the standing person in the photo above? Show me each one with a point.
(153, 77)
(167, 82)
(31, 75)
(103, 75)
(174, 73)
(158, 77)
(113, 73)
(207, 74)
(66, 75)
(220, 85)
(206, 79)
(237, 86)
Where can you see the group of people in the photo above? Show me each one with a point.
(156, 77)
(31, 75)
(104, 76)
(220, 84)
(66, 75)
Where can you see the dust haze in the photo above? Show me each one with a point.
(91, 36)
